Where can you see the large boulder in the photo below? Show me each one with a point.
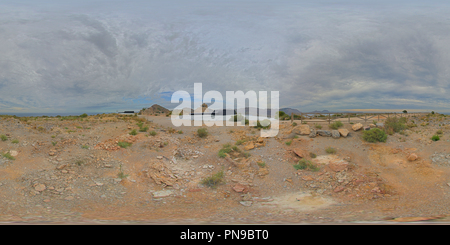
(324, 133)
(335, 134)
(302, 129)
(313, 133)
(413, 157)
(357, 127)
(343, 132)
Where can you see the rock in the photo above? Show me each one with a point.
(300, 153)
(372, 125)
(380, 125)
(367, 128)
(338, 189)
(239, 188)
(60, 167)
(313, 133)
(324, 133)
(246, 203)
(357, 127)
(307, 178)
(159, 157)
(335, 134)
(249, 146)
(164, 193)
(344, 132)
(412, 157)
(69, 198)
(13, 153)
(302, 129)
(338, 165)
(39, 187)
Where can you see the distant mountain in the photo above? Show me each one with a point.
(324, 111)
(154, 110)
(288, 111)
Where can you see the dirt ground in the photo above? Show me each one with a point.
(74, 171)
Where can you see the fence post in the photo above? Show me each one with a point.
(301, 118)
(348, 114)
(329, 119)
(292, 117)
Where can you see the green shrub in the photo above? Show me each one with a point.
(180, 132)
(375, 135)
(262, 164)
(318, 126)
(336, 125)
(439, 131)
(124, 144)
(225, 149)
(265, 121)
(214, 180)
(153, 133)
(306, 164)
(202, 132)
(85, 147)
(395, 124)
(312, 155)
(3, 137)
(435, 138)
(288, 142)
(15, 141)
(84, 115)
(133, 132)
(330, 150)
(54, 143)
(294, 124)
(143, 129)
(8, 156)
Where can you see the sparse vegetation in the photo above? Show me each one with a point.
(288, 142)
(121, 174)
(54, 143)
(133, 132)
(214, 180)
(143, 129)
(330, 150)
(261, 164)
(84, 147)
(375, 135)
(394, 125)
(435, 138)
(261, 124)
(294, 124)
(304, 164)
(15, 141)
(202, 132)
(180, 132)
(8, 156)
(336, 125)
(124, 144)
(153, 133)
(439, 131)
(318, 126)
(312, 155)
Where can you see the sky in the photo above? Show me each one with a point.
(103, 56)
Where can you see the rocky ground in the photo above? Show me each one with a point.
(73, 170)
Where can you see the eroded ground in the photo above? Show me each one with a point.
(74, 170)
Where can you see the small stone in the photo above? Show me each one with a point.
(69, 198)
(39, 187)
(238, 188)
(246, 203)
(338, 189)
(13, 153)
(164, 193)
(412, 157)
(159, 157)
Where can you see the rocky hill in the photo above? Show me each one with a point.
(154, 110)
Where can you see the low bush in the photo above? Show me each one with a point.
(435, 138)
(336, 125)
(202, 132)
(330, 150)
(124, 144)
(3, 137)
(375, 135)
(133, 132)
(304, 164)
(214, 180)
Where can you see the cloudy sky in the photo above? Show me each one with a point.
(103, 56)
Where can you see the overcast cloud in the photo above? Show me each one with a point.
(94, 56)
